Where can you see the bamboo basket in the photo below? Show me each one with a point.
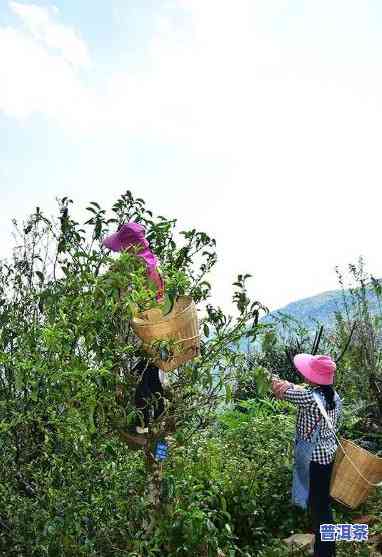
(180, 325)
(347, 484)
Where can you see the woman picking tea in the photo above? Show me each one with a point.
(315, 443)
(149, 392)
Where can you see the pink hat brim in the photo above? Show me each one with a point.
(113, 242)
(303, 365)
(129, 235)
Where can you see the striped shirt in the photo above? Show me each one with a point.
(309, 417)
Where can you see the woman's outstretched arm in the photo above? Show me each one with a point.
(295, 394)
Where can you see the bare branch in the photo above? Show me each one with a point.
(338, 359)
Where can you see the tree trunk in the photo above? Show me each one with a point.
(154, 471)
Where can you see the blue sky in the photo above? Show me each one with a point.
(257, 121)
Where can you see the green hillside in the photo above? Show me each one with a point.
(320, 308)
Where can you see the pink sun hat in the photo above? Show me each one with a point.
(318, 369)
(130, 234)
(133, 234)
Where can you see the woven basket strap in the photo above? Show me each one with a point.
(183, 339)
(331, 426)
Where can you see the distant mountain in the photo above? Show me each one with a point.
(320, 308)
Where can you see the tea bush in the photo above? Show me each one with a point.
(69, 486)
(65, 346)
(237, 484)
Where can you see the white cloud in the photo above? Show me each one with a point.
(38, 80)
(35, 81)
(230, 83)
(294, 112)
(40, 23)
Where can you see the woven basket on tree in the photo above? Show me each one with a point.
(355, 474)
(180, 325)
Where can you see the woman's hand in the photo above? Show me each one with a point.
(279, 387)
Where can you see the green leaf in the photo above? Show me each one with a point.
(228, 528)
(228, 393)
(108, 449)
(167, 305)
(210, 525)
(19, 379)
(34, 393)
(92, 428)
(263, 381)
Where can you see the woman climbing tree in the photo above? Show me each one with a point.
(315, 443)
